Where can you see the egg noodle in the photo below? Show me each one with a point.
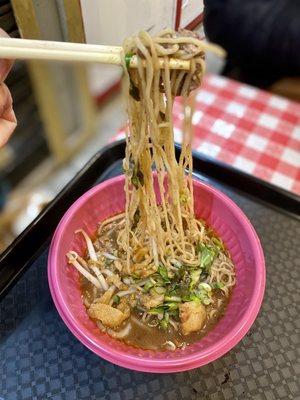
(156, 264)
(169, 231)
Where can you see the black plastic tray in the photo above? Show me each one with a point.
(39, 357)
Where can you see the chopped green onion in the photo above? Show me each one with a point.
(135, 276)
(186, 298)
(203, 296)
(158, 290)
(116, 299)
(194, 297)
(165, 321)
(207, 257)
(156, 310)
(171, 305)
(179, 274)
(174, 313)
(135, 181)
(195, 275)
(206, 301)
(157, 280)
(204, 275)
(218, 243)
(205, 286)
(107, 262)
(176, 263)
(128, 58)
(148, 286)
(173, 298)
(173, 289)
(163, 272)
(218, 285)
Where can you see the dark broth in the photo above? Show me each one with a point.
(153, 338)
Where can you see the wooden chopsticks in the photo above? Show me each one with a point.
(26, 49)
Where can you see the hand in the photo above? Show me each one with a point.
(8, 120)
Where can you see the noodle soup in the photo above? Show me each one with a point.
(156, 276)
(157, 303)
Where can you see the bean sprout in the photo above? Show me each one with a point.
(123, 293)
(109, 256)
(89, 243)
(72, 260)
(120, 334)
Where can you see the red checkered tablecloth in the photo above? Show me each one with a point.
(247, 128)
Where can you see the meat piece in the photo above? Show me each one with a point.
(109, 316)
(192, 316)
(105, 298)
(124, 307)
(116, 280)
(118, 265)
(152, 301)
(132, 300)
(140, 254)
(143, 270)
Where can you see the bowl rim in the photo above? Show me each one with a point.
(194, 360)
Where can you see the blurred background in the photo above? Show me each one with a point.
(66, 113)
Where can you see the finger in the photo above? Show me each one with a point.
(5, 65)
(8, 119)
(6, 129)
(5, 98)
(9, 115)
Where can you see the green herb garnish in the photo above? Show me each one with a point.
(207, 257)
(195, 276)
(163, 272)
(203, 296)
(116, 299)
(171, 305)
(156, 310)
(148, 285)
(218, 243)
(128, 58)
(173, 298)
(108, 262)
(165, 321)
(218, 285)
(133, 89)
(158, 290)
(137, 178)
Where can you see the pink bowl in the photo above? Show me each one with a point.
(229, 222)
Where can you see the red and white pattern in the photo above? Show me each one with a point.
(247, 128)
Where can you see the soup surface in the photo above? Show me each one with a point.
(164, 310)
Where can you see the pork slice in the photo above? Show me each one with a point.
(192, 317)
(109, 316)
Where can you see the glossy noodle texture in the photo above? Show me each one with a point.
(156, 276)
